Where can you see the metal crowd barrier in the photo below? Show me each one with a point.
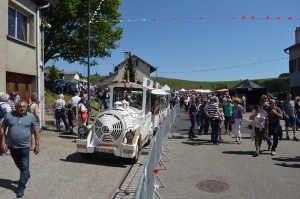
(147, 186)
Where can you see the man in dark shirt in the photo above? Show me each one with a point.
(192, 115)
(274, 116)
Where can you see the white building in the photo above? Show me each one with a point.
(143, 69)
(294, 64)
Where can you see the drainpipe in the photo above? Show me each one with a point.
(39, 63)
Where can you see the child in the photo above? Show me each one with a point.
(222, 118)
(106, 103)
(71, 118)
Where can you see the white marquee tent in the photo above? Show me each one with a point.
(182, 90)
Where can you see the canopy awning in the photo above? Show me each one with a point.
(223, 90)
(182, 90)
(159, 92)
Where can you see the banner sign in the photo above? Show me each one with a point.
(147, 82)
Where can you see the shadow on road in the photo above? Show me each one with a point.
(76, 158)
(289, 160)
(238, 152)
(8, 184)
(68, 136)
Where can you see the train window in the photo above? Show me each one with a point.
(148, 102)
(155, 104)
(133, 95)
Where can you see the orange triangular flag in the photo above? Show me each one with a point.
(244, 17)
(252, 17)
(268, 17)
(278, 18)
(290, 18)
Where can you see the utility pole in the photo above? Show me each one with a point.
(156, 73)
(89, 43)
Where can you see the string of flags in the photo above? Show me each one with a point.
(96, 12)
(224, 68)
(244, 17)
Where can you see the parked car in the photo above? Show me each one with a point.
(60, 85)
(70, 87)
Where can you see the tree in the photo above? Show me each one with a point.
(132, 71)
(68, 37)
(284, 75)
(53, 74)
(139, 81)
(219, 85)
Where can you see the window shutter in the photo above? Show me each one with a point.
(291, 66)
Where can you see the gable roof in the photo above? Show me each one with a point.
(69, 73)
(247, 84)
(152, 68)
(291, 47)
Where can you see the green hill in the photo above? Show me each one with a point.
(178, 84)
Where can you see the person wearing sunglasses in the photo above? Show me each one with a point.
(19, 124)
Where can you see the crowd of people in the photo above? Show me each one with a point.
(210, 112)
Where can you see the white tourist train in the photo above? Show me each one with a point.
(124, 129)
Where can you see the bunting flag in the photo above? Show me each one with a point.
(244, 17)
(96, 13)
(224, 68)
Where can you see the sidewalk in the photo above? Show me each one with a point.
(245, 176)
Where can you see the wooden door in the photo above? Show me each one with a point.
(19, 83)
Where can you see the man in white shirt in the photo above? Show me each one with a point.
(59, 106)
(74, 101)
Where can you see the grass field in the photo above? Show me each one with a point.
(51, 96)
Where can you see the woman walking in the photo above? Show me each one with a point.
(238, 120)
(228, 110)
(260, 126)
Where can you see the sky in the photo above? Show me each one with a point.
(183, 49)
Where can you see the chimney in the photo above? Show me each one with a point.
(126, 55)
(297, 33)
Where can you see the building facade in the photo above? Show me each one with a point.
(294, 64)
(19, 60)
(143, 69)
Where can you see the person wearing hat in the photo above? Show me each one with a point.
(12, 100)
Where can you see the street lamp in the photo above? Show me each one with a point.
(156, 73)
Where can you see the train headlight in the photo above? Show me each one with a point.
(82, 131)
(129, 135)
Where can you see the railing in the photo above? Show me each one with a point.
(147, 186)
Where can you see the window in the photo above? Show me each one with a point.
(17, 25)
(298, 64)
(295, 65)
(148, 102)
(136, 62)
(133, 95)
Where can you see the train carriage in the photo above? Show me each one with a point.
(160, 106)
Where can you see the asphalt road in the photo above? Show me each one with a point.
(247, 177)
(58, 172)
